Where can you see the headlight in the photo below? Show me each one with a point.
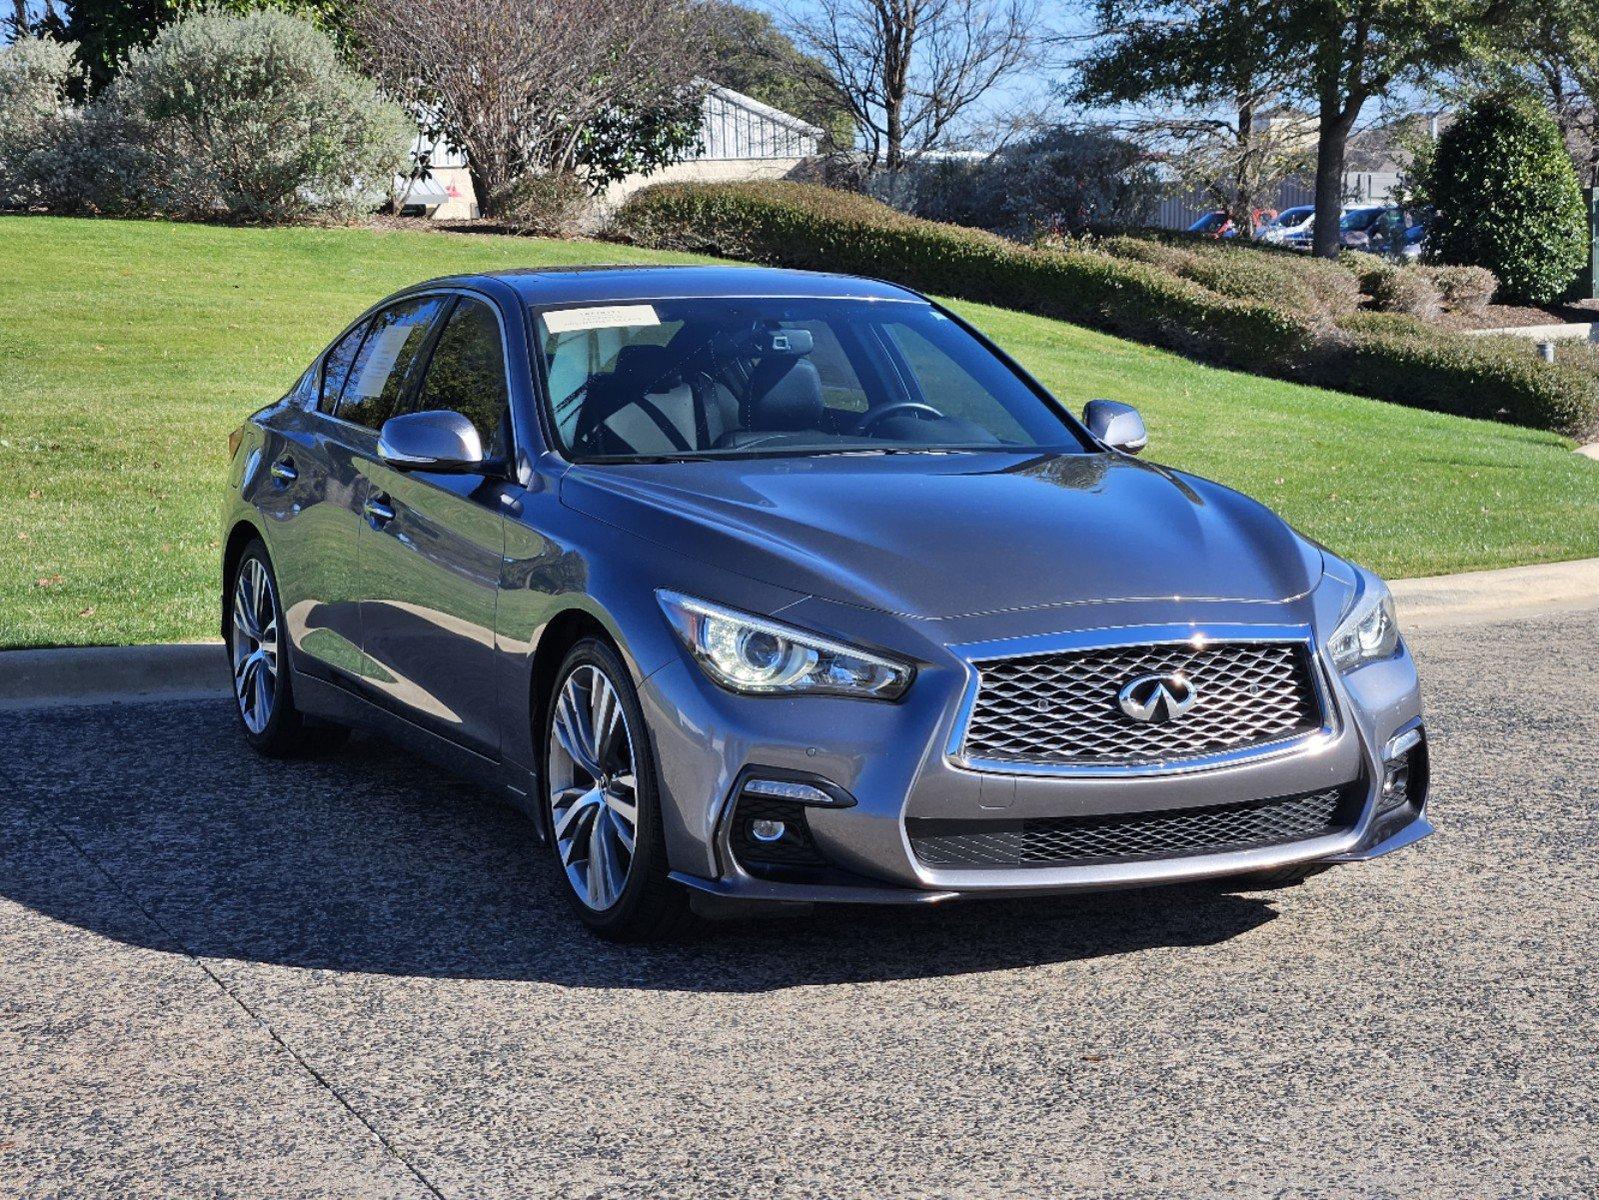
(1368, 631)
(746, 653)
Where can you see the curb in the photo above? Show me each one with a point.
(199, 670)
(112, 675)
(1482, 597)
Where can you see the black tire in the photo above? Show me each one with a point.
(285, 732)
(649, 906)
(1281, 877)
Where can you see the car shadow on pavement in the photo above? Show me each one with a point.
(372, 861)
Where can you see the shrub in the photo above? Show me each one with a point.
(1061, 180)
(34, 115)
(1364, 267)
(1298, 283)
(550, 204)
(1387, 356)
(1396, 357)
(800, 225)
(1405, 290)
(1464, 289)
(1164, 255)
(255, 117)
(1508, 198)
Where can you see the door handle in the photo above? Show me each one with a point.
(284, 470)
(378, 509)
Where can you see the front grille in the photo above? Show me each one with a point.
(1062, 708)
(1124, 837)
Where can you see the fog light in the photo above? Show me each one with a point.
(1398, 757)
(763, 829)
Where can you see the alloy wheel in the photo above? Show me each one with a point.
(255, 645)
(593, 788)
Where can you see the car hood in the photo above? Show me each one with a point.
(948, 535)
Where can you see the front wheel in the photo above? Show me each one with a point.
(602, 802)
(263, 696)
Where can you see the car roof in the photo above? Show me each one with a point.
(541, 287)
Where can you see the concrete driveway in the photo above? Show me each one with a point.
(224, 977)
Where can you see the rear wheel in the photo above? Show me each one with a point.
(602, 802)
(262, 693)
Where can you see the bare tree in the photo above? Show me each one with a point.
(523, 87)
(910, 71)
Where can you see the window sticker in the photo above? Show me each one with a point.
(377, 369)
(606, 316)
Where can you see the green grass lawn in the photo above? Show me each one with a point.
(128, 350)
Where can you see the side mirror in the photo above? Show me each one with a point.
(431, 441)
(1116, 424)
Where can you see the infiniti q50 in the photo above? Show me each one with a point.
(759, 585)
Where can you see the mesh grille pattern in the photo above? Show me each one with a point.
(1062, 708)
(1074, 841)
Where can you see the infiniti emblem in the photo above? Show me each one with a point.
(1157, 698)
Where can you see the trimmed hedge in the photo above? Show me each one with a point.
(1464, 289)
(1403, 290)
(1499, 378)
(1134, 294)
(819, 229)
(1271, 274)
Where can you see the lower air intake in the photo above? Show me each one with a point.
(1124, 837)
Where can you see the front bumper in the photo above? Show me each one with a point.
(896, 762)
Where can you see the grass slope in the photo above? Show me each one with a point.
(128, 351)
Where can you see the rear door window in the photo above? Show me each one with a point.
(466, 374)
(382, 366)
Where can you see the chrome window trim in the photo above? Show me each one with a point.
(974, 654)
(320, 362)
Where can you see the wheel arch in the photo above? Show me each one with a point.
(241, 535)
(565, 630)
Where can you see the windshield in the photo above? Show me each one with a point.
(1359, 218)
(707, 377)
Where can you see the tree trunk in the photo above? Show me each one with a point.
(1332, 142)
(1244, 188)
(19, 19)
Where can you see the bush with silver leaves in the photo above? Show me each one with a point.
(254, 118)
(35, 116)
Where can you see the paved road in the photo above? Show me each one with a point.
(222, 977)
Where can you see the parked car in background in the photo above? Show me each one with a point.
(774, 586)
(1415, 241)
(1376, 229)
(1282, 228)
(1219, 225)
(1214, 224)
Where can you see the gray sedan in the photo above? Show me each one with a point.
(757, 585)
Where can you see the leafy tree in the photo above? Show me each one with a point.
(107, 31)
(1214, 79)
(1507, 198)
(1554, 49)
(750, 54)
(1357, 50)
